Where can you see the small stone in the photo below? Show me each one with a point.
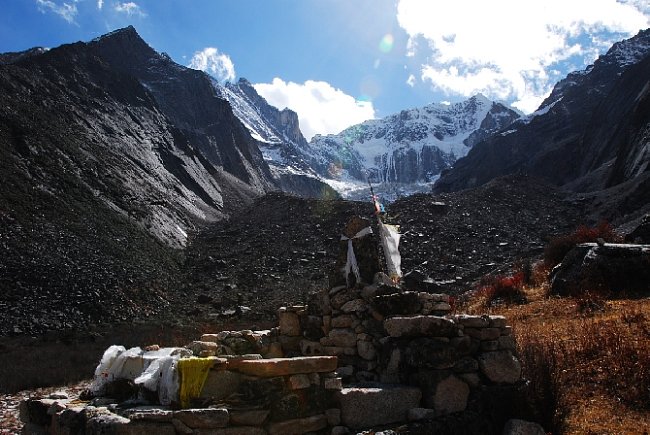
(507, 342)
(466, 365)
(354, 306)
(420, 326)
(255, 417)
(181, 428)
(497, 321)
(314, 378)
(416, 414)
(340, 430)
(488, 346)
(450, 396)
(198, 346)
(522, 427)
(471, 379)
(473, 321)
(366, 350)
(310, 348)
(298, 425)
(210, 337)
(275, 351)
(268, 368)
(333, 416)
(298, 382)
(205, 418)
(332, 383)
(500, 366)
(343, 337)
(58, 395)
(289, 322)
(342, 321)
(220, 384)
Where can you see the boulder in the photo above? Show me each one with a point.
(522, 427)
(432, 326)
(220, 384)
(289, 322)
(607, 266)
(450, 396)
(268, 368)
(500, 366)
(206, 418)
(397, 304)
(430, 353)
(364, 407)
(254, 417)
(342, 337)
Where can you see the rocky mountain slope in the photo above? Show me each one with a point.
(110, 155)
(283, 247)
(589, 135)
(414, 145)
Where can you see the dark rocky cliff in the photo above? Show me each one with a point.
(590, 134)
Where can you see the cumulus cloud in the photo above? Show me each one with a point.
(67, 11)
(100, 4)
(216, 64)
(130, 9)
(321, 108)
(479, 46)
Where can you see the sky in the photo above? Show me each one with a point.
(340, 62)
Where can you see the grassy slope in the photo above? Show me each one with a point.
(588, 360)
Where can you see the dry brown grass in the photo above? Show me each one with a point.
(589, 368)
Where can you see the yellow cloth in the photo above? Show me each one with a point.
(193, 373)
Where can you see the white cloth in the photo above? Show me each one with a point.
(390, 242)
(351, 262)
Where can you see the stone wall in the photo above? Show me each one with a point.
(351, 359)
(241, 395)
(384, 335)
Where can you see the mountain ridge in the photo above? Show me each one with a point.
(589, 135)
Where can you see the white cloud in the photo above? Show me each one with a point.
(478, 46)
(100, 4)
(321, 108)
(411, 80)
(214, 63)
(130, 9)
(67, 11)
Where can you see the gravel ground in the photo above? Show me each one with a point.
(10, 422)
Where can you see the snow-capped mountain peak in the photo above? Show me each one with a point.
(414, 145)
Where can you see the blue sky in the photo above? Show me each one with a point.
(339, 62)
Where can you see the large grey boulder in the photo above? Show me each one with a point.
(606, 266)
(364, 407)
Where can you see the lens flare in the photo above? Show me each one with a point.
(386, 43)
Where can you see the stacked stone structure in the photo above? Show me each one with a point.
(356, 356)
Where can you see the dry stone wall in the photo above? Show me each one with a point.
(350, 359)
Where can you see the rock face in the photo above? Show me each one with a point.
(590, 134)
(111, 155)
(278, 135)
(606, 267)
(414, 145)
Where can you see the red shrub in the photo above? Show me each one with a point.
(501, 288)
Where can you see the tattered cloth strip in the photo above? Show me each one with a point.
(390, 242)
(351, 262)
(194, 372)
